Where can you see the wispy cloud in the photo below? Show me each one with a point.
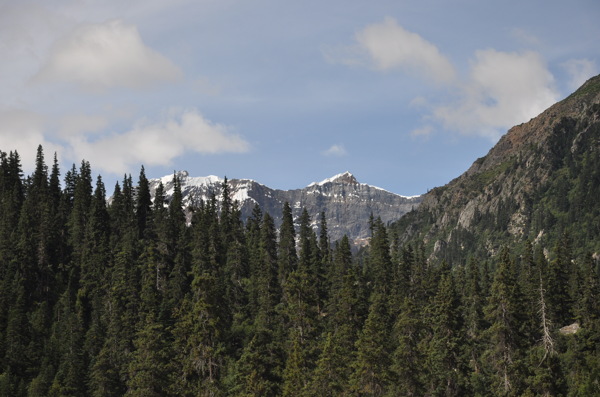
(76, 137)
(106, 55)
(22, 130)
(579, 71)
(500, 90)
(424, 131)
(159, 142)
(335, 151)
(390, 46)
(503, 89)
(524, 37)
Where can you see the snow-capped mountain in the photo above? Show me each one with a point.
(347, 203)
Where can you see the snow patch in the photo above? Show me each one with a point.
(346, 174)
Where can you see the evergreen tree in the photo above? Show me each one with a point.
(16, 362)
(34, 231)
(67, 340)
(372, 373)
(82, 198)
(344, 320)
(143, 203)
(542, 357)
(408, 359)
(474, 324)
(287, 255)
(96, 258)
(149, 370)
(559, 275)
(445, 369)
(380, 261)
(502, 313)
(259, 370)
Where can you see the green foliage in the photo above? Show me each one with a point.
(127, 297)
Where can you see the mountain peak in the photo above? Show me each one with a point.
(346, 203)
(344, 178)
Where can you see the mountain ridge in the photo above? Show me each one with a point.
(529, 185)
(347, 203)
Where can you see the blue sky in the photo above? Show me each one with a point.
(403, 94)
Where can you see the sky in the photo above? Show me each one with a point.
(403, 94)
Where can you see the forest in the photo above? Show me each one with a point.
(129, 296)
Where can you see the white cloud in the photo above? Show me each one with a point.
(424, 131)
(579, 71)
(390, 46)
(158, 143)
(106, 55)
(81, 123)
(500, 90)
(503, 89)
(525, 37)
(22, 130)
(335, 151)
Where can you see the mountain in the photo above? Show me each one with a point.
(347, 203)
(540, 181)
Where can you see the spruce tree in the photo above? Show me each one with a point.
(445, 368)
(558, 282)
(286, 253)
(408, 359)
(143, 203)
(503, 336)
(372, 373)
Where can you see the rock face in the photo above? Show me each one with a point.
(539, 180)
(347, 203)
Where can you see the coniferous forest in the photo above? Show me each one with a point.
(129, 296)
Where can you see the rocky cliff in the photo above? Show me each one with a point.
(347, 203)
(540, 180)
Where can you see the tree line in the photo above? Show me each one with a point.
(133, 298)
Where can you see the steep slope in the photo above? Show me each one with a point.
(540, 180)
(347, 203)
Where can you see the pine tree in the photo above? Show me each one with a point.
(542, 357)
(445, 367)
(502, 313)
(559, 275)
(96, 260)
(372, 367)
(253, 238)
(474, 324)
(259, 369)
(108, 373)
(143, 203)
(179, 256)
(324, 245)
(78, 218)
(380, 260)
(16, 361)
(201, 316)
(198, 341)
(286, 254)
(67, 341)
(408, 360)
(34, 231)
(344, 318)
(149, 369)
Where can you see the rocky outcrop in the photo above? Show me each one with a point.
(514, 191)
(347, 204)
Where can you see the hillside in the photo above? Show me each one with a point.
(347, 204)
(540, 180)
